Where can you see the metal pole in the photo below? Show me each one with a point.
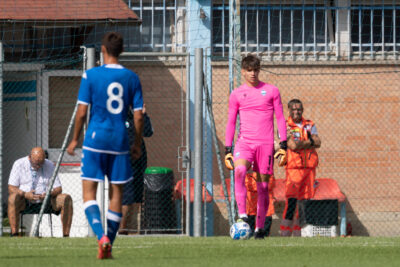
(237, 43)
(232, 52)
(91, 58)
(237, 61)
(198, 141)
(188, 145)
(231, 47)
(88, 63)
(1, 138)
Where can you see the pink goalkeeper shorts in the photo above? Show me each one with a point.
(261, 155)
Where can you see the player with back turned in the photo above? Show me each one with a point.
(110, 90)
(256, 102)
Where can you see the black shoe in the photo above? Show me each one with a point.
(259, 234)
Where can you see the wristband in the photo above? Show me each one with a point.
(283, 145)
(228, 149)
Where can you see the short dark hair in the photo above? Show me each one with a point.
(294, 101)
(251, 62)
(114, 43)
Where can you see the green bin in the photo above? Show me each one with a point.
(158, 212)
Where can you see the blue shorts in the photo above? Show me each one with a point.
(95, 165)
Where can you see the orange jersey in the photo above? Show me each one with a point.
(251, 199)
(300, 183)
(301, 164)
(303, 158)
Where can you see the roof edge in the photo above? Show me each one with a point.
(70, 23)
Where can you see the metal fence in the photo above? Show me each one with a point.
(354, 108)
(37, 108)
(354, 103)
(279, 30)
(164, 78)
(311, 30)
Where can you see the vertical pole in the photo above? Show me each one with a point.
(189, 152)
(90, 63)
(237, 43)
(343, 221)
(91, 59)
(199, 36)
(232, 57)
(237, 72)
(198, 141)
(231, 48)
(1, 137)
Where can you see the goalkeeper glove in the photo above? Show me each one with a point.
(280, 155)
(229, 158)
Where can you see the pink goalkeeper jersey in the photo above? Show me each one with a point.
(256, 107)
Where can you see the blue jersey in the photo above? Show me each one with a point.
(110, 90)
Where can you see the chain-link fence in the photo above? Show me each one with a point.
(37, 106)
(345, 74)
(355, 109)
(40, 115)
(154, 205)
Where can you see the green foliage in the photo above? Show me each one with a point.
(214, 251)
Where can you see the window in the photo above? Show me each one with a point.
(375, 29)
(276, 29)
(161, 29)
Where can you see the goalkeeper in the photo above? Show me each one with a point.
(256, 102)
(302, 160)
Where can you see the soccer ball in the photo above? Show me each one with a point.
(240, 230)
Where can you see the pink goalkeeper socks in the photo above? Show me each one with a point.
(262, 203)
(240, 188)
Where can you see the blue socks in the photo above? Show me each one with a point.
(113, 221)
(93, 216)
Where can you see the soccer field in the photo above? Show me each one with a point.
(212, 251)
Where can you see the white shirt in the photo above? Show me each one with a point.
(22, 176)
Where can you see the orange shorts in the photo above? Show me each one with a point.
(300, 183)
(251, 199)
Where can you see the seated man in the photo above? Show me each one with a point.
(27, 187)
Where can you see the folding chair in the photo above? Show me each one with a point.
(34, 208)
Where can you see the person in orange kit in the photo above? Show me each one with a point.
(251, 201)
(302, 160)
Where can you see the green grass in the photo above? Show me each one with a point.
(213, 251)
